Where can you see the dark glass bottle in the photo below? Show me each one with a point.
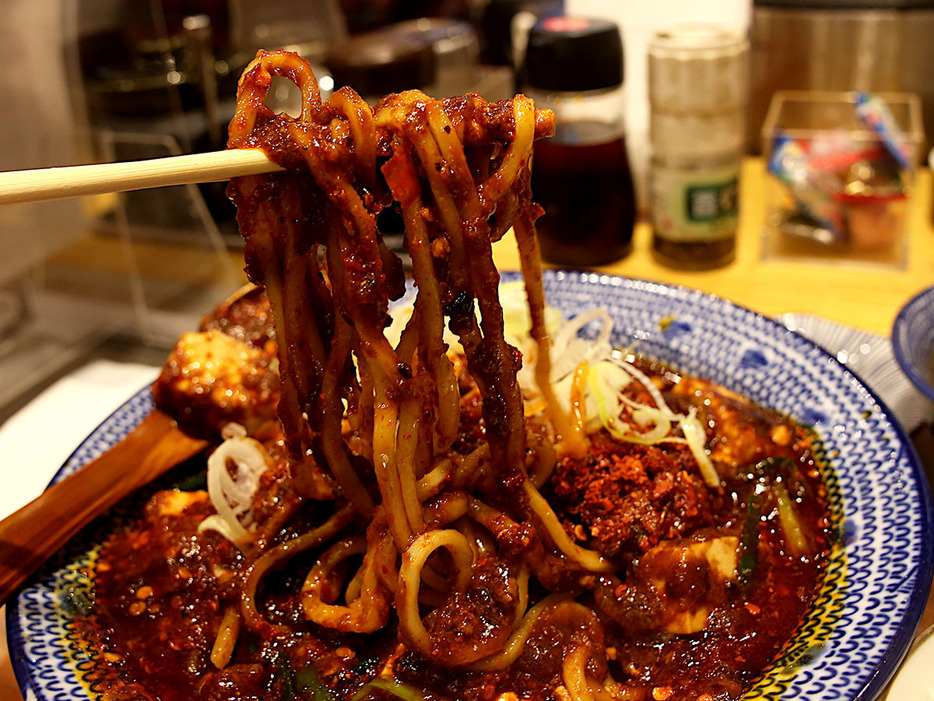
(581, 175)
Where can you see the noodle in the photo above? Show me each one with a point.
(366, 610)
(409, 393)
(410, 575)
(574, 672)
(223, 647)
(514, 645)
(443, 533)
(543, 512)
(278, 556)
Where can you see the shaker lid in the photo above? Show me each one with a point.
(573, 53)
(698, 69)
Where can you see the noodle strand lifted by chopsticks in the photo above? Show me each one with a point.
(456, 173)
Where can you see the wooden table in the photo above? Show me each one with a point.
(864, 297)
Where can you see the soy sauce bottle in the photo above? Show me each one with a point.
(581, 175)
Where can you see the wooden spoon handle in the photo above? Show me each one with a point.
(31, 535)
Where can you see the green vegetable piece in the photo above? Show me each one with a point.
(795, 536)
(391, 687)
(193, 483)
(309, 687)
(749, 544)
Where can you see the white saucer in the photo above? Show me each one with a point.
(871, 357)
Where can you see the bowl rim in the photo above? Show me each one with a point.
(900, 346)
(901, 640)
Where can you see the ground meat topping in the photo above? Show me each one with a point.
(626, 498)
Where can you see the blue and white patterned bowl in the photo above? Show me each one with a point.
(913, 340)
(878, 576)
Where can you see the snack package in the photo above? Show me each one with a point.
(846, 188)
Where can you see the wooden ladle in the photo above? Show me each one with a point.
(31, 535)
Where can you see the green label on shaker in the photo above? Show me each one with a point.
(695, 205)
(706, 203)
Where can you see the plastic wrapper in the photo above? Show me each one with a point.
(847, 186)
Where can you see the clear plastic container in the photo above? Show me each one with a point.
(849, 201)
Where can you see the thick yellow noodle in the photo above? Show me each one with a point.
(457, 173)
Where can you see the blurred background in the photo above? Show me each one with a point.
(101, 80)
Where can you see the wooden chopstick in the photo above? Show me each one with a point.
(97, 179)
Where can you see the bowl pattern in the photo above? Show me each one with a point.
(877, 578)
(913, 340)
(49, 660)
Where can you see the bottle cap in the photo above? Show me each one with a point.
(573, 53)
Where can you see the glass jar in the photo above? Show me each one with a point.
(698, 76)
(695, 209)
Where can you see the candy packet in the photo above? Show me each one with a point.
(846, 185)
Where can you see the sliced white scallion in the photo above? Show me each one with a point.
(233, 430)
(658, 422)
(696, 438)
(605, 383)
(649, 387)
(568, 349)
(232, 494)
(605, 403)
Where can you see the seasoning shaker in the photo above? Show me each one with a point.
(698, 86)
(574, 66)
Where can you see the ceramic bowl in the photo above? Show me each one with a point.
(913, 340)
(878, 575)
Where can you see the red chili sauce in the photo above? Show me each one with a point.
(711, 581)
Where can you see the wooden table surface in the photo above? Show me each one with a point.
(863, 296)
